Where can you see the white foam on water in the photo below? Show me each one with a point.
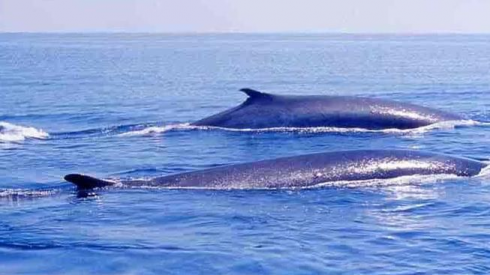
(187, 126)
(13, 133)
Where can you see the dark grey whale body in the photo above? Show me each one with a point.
(262, 110)
(306, 171)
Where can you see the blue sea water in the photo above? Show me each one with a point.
(116, 105)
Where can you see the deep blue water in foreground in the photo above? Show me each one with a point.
(115, 105)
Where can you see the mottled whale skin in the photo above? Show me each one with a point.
(306, 171)
(262, 110)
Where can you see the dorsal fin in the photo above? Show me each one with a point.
(254, 94)
(87, 182)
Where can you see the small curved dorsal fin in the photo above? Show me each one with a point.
(254, 94)
(87, 182)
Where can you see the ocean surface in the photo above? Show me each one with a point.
(118, 105)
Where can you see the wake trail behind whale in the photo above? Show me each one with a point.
(10, 133)
(153, 130)
(17, 193)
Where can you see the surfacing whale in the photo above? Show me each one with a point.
(305, 171)
(263, 110)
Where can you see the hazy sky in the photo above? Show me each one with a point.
(412, 16)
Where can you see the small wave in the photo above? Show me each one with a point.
(13, 133)
(187, 126)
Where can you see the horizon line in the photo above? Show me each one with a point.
(245, 32)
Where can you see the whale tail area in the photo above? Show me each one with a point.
(87, 182)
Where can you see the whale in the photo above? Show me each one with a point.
(304, 171)
(263, 110)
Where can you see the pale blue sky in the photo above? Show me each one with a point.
(360, 16)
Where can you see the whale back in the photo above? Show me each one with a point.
(310, 170)
(307, 170)
(263, 110)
